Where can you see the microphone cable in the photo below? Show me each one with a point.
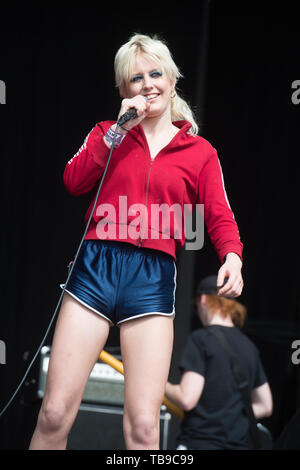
(69, 274)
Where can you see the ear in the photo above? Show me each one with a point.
(172, 85)
(200, 301)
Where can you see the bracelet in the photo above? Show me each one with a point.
(124, 129)
(115, 137)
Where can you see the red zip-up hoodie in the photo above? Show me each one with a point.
(184, 173)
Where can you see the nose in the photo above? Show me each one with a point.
(147, 85)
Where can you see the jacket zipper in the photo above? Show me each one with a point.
(147, 194)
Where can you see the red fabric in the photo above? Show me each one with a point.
(186, 171)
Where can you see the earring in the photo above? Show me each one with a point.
(173, 94)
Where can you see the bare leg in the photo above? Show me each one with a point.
(146, 345)
(79, 337)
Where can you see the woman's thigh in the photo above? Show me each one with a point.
(80, 335)
(146, 345)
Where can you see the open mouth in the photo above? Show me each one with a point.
(152, 96)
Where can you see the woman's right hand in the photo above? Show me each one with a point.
(142, 107)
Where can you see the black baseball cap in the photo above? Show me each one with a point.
(208, 285)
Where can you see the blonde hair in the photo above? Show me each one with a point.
(226, 306)
(158, 51)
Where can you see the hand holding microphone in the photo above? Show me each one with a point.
(133, 111)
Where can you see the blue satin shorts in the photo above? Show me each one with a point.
(120, 281)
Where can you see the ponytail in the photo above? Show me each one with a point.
(181, 110)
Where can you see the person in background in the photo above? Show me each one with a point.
(214, 416)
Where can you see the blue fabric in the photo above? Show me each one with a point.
(120, 281)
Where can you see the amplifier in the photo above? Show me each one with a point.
(105, 384)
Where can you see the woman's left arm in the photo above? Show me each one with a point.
(221, 225)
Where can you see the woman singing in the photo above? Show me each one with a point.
(125, 274)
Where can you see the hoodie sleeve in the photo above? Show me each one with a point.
(87, 165)
(218, 216)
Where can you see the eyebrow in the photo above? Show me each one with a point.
(140, 73)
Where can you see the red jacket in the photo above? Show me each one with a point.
(186, 171)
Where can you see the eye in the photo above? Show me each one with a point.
(136, 78)
(155, 74)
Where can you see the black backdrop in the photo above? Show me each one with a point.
(238, 66)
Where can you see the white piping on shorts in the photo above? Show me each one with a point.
(172, 315)
(175, 285)
(87, 305)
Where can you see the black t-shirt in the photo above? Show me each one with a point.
(218, 421)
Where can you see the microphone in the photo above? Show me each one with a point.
(130, 114)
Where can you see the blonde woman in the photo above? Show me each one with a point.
(126, 274)
(214, 412)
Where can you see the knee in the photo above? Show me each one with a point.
(52, 417)
(143, 429)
